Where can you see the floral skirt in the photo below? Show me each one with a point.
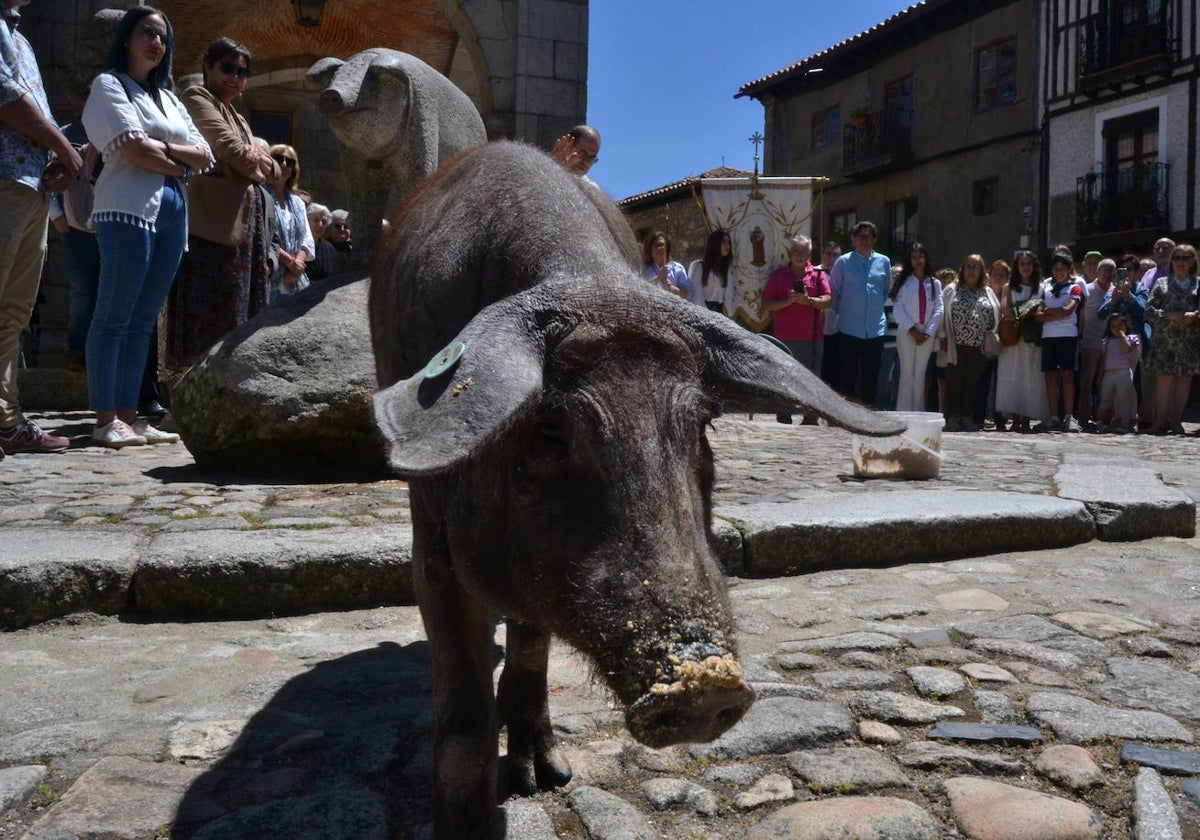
(1174, 350)
(217, 288)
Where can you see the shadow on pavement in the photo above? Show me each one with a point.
(342, 752)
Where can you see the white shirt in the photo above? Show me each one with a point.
(908, 304)
(116, 113)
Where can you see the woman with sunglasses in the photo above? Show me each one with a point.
(296, 245)
(970, 312)
(1173, 310)
(150, 148)
(224, 279)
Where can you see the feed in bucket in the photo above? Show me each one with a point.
(916, 453)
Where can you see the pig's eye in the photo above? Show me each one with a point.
(551, 439)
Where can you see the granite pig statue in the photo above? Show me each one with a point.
(397, 119)
(558, 467)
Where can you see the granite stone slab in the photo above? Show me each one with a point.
(1126, 498)
(49, 572)
(839, 530)
(1076, 720)
(237, 574)
(1154, 816)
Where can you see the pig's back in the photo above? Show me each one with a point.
(494, 221)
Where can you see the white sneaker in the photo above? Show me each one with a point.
(117, 435)
(1071, 425)
(152, 435)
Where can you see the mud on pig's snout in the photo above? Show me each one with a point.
(700, 695)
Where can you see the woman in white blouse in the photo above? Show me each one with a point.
(150, 148)
(918, 314)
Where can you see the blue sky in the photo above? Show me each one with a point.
(662, 75)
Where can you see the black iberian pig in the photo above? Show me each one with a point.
(559, 471)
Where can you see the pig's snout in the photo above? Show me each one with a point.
(331, 102)
(702, 695)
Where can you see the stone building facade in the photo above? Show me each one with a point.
(522, 62)
(926, 124)
(1120, 82)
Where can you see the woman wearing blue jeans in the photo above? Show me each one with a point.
(150, 149)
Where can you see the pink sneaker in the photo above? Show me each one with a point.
(28, 436)
(117, 435)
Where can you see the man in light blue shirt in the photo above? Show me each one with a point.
(860, 285)
(27, 132)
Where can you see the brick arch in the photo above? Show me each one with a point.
(432, 30)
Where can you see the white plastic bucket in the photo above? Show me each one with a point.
(913, 454)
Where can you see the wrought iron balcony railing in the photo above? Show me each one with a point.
(877, 141)
(1112, 51)
(1122, 199)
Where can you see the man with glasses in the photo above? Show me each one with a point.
(1162, 264)
(860, 285)
(27, 131)
(578, 150)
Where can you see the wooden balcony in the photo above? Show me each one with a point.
(877, 142)
(1111, 54)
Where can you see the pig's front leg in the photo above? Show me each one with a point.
(533, 757)
(465, 724)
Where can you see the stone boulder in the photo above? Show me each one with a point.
(289, 392)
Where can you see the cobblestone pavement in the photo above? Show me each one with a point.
(1047, 694)
(159, 487)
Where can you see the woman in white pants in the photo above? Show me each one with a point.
(918, 312)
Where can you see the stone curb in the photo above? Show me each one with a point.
(798, 537)
(46, 572)
(1127, 500)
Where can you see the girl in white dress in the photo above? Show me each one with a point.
(918, 314)
(1020, 388)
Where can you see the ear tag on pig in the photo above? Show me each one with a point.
(444, 360)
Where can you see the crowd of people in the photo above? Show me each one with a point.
(1110, 345)
(174, 219)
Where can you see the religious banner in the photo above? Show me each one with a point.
(760, 214)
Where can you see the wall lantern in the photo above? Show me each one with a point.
(308, 12)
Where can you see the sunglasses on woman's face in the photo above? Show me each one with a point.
(151, 34)
(231, 69)
(284, 160)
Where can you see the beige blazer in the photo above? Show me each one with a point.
(218, 201)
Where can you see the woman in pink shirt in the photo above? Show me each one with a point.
(796, 294)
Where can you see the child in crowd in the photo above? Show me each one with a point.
(1118, 400)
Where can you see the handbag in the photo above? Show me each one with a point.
(77, 199)
(991, 345)
(1010, 332)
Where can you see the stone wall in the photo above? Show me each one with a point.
(680, 218)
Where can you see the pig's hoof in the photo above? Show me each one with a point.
(552, 770)
(521, 779)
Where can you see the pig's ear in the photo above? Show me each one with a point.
(752, 374)
(320, 74)
(466, 396)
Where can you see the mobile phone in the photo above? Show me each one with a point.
(1122, 274)
(798, 287)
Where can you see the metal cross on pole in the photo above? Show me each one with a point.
(756, 138)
